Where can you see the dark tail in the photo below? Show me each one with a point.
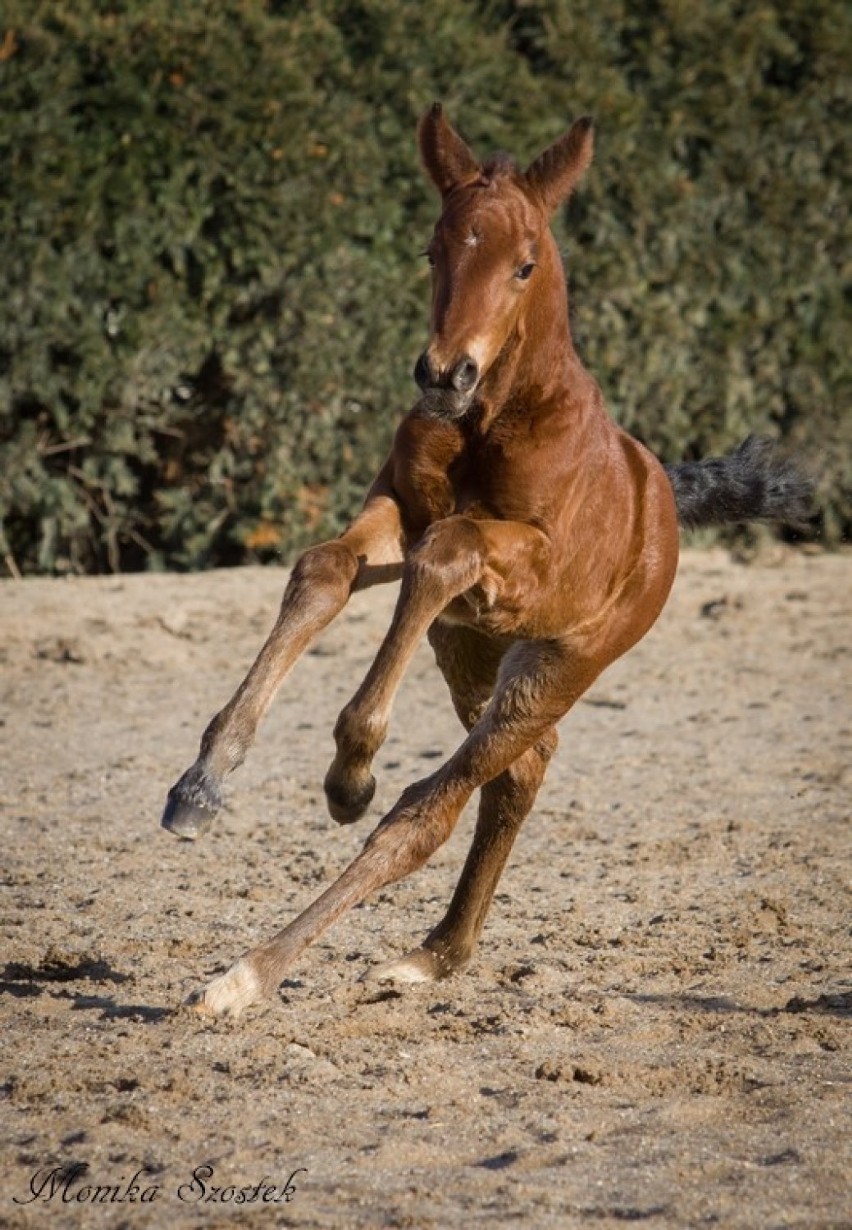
(754, 483)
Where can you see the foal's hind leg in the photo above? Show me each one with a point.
(536, 685)
(504, 804)
(369, 552)
(469, 663)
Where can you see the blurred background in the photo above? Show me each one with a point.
(212, 215)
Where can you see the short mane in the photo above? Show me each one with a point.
(498, 166)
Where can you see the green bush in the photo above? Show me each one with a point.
(211, 215)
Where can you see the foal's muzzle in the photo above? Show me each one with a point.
(462, 378)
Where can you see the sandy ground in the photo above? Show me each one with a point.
(656, 1029)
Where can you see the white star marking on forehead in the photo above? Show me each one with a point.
(473, 239)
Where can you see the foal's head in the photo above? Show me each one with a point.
(492, 255)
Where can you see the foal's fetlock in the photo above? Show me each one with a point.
(424, 964)
(348, 791)
(230, 993)
(192, 803)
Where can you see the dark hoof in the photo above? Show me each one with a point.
(186, 819)
(191, 805)
(347, 806)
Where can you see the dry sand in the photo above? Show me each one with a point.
(656, 1027)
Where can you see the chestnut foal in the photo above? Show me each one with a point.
(536, 542)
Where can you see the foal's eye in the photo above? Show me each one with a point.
(525, 272)
(430, 260)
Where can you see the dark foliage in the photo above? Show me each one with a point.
(211, 215)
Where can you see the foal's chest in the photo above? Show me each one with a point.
(440, 469)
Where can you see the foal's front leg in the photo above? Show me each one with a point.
(456, 556)
(422, 820)
(368, 553)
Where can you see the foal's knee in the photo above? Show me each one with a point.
(328, 569)
(447, 557)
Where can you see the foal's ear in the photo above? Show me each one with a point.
(446, 157)
(555, 173)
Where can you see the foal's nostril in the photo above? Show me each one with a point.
(462, 377)
(465, 375)
(425, 375)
